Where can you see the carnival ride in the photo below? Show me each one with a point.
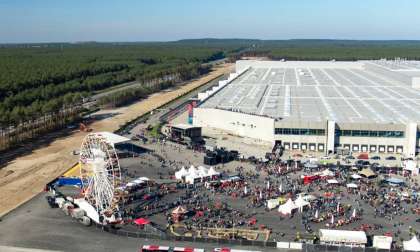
(100, 174)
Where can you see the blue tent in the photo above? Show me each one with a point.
(64, 181)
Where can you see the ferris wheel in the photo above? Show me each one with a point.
(100, 174)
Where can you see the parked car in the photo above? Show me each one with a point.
(350, 157)
(376, 158)
(391, 158)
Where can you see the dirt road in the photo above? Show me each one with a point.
(26, 176)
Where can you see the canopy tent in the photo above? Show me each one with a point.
(382, 242)
(202, 171)
(310, 165)
(352, 185)
(332, 181)
(141, 221)
(363, 156)
(181, 173)
(306, 197)
(272, 203)
(192, 171)
(213, 172)
(287, 207)
(179, 210)
(342, 236)
(395, 181)
(413, 244)
(356, 176)
(327, 173)
(140, 180)
(113, 138)
(367, 172)
(300, 202)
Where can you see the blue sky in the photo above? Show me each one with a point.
(162, 20)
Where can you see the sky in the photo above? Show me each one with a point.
(24, 21)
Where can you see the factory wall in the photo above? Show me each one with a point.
(325, 140)
(257, 127)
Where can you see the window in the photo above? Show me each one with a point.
(370, 133)
(320, 132)
(303, 132)
(346, 132)
(364, 133)
(398, 134)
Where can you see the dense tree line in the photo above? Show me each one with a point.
(42, 87)
(39, 79)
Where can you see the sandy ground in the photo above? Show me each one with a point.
(26, 176)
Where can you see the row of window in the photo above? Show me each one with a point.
(308, 132)
(303, 146)
(373, 148)
(369, 133)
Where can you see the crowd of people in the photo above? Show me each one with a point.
(372, 206)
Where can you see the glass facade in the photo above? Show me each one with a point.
(293, 131)
(369, 133)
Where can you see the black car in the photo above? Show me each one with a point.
(376, 158)
(391, 158)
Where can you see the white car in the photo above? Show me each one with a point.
(326, 157)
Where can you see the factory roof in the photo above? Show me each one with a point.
(346, 92)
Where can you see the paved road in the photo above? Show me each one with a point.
(35, 225)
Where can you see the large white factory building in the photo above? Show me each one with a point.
(363, 106)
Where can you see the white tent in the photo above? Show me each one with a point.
(287, 207)
(332, 181)
(272, 203)
(382, 242)
(351, 185)
(300, 202)
(413, 244)
(202, 171)
(190, 178)
(356, 176)
(346, 237)
(327, 173)
(113, 138)
(181, 173)
(306, 197)
(140, 180)
(192, 170)
(212, 172)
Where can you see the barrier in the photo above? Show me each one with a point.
(295, 245)
(283, 245)
(287, 246)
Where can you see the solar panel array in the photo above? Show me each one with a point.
(317, 94)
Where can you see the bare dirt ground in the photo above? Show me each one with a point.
(26, 176)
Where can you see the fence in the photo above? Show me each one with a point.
(286, 246)
(184, 238)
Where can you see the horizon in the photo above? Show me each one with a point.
(26, 22)
(197, 39)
